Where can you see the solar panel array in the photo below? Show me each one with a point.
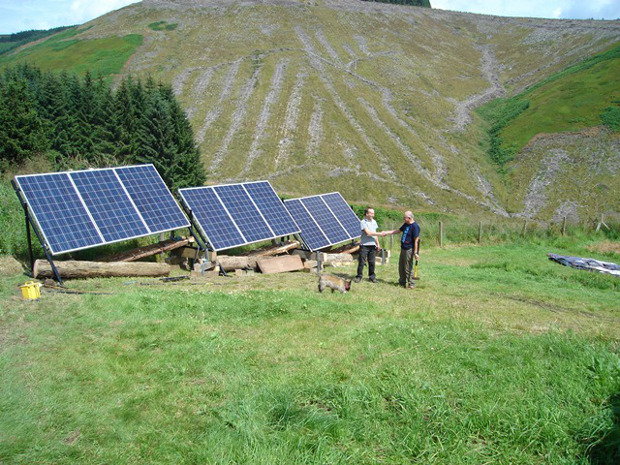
(76, 210)
(237, 214)
(324, 220)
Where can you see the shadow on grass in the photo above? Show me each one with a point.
(603, 448)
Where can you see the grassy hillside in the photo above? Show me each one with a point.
(571, 100)
(371, 99)
(66, 51)
(498, 356)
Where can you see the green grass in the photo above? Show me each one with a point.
(163, 26)
(499, 356)
(64, 51)
(571, 100)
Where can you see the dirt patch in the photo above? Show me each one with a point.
(605, 247)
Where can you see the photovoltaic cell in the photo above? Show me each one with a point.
(152, 198)
(80, 209)
(325, 218)
(212, 218)
(244, 213)
(109, 205)
(272, 208)
(311, 234)
(59, 212)
(237, 214)
(344, 213)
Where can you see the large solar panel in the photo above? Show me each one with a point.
(311, 233)
(59, 212)
(237, 214)
(271, 207)
(152, 198)
(80, 209)
(211, 217)
(341, 209)
(244, 212)
(324, 220)
(109, 205)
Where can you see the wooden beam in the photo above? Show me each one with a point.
(278, 249)
(147, 251)
(281, 264)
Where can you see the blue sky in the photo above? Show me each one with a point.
(22, 15)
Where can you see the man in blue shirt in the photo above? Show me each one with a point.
(369, 244)
(409, 248)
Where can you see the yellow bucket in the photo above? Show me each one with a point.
(31, 290)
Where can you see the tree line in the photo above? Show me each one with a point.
(82, 122)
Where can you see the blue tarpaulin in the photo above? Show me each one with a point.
(589, 264)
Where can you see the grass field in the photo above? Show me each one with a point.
(499, 356)
(65, 51)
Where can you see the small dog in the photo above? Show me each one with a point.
(334, 283)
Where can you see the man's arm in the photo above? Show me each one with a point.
(370, 233)
(393, 231)
(416, 248)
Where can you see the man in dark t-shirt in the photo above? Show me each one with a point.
(409, 249)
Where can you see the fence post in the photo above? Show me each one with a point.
(480, 233)
(564, 227)
(441, 234)
(524, 228)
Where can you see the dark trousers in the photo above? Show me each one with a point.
(405, 267)
(367, 253)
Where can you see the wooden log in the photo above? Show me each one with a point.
(230, 263)
(280, 264)
(278, 249)
(347, 248)
(337, 259)
(146, 251)
(82, 269)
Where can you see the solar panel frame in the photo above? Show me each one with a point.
(318, 212)
(242, 209)
(80, 189)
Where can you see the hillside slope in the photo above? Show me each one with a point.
(370, 99)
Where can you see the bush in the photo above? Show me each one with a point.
(611, 118)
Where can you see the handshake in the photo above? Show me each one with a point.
(384, 233)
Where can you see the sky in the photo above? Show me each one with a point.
(23, 15)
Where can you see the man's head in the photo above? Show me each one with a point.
(408, 217)
(369, 213)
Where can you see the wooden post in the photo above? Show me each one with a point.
(564, 227)
(524, 229)
(480, 233)
(441, 234)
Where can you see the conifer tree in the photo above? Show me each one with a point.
(21, 131)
